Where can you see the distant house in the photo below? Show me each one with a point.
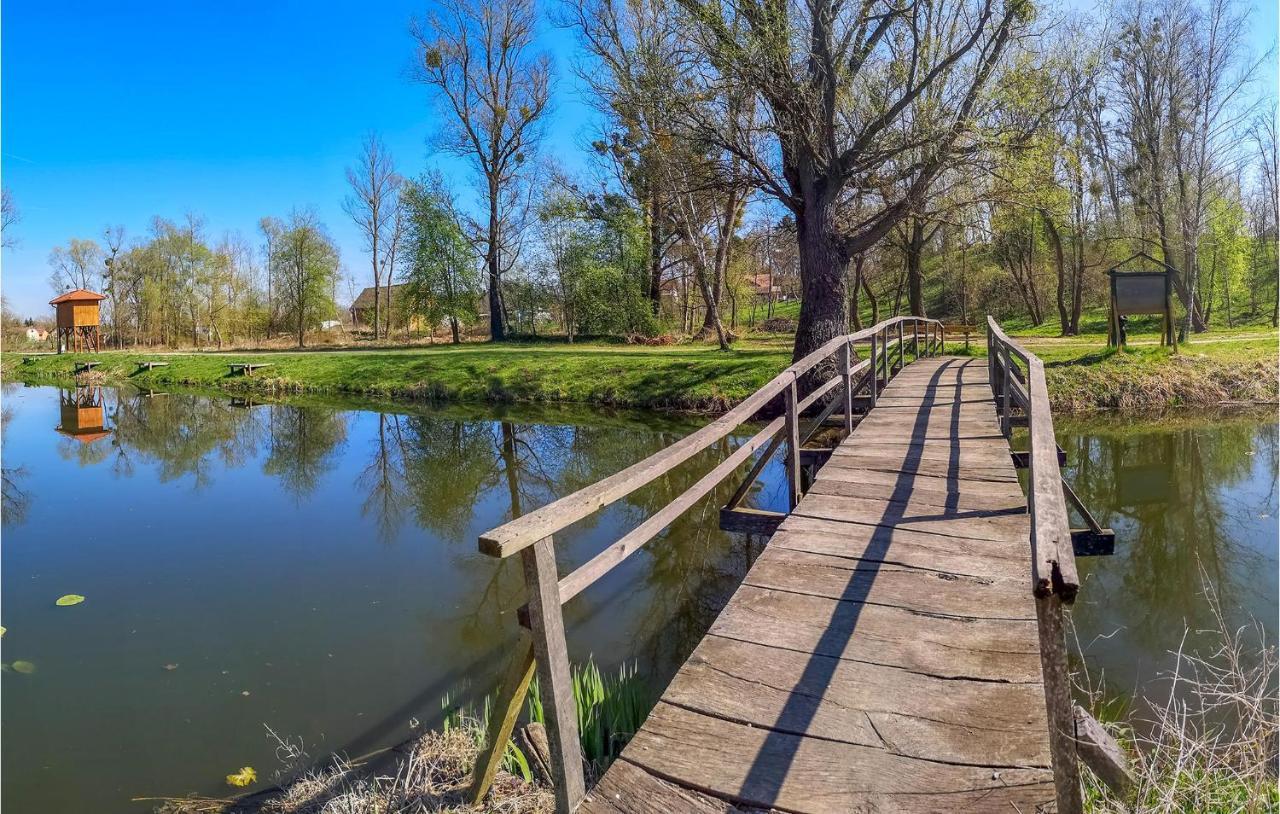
(770, 285)
(331, 325)
(37, 334)
(362, 309)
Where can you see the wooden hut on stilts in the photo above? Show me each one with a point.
(78, 320)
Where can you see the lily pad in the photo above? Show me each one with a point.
(243, 777)
(24, 667)
(68, 600)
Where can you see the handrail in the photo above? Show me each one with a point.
(531, 535)
(1053, 562)
(524, 531)
(1054, 580)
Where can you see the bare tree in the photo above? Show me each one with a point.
(9, 215)
(391, 245)
(1178, 77)
(634, 46)
(477, 57)
(841, 80)
(75, 266)
(114, 238)
(372, 204)
(1263, 134)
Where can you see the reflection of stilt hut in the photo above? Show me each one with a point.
(82, 414)
(78, 320)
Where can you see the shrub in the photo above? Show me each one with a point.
(779, 325)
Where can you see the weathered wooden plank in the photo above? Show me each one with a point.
(900, 547)
(917, 498)
(813, 775)
(511, 694)
(906, 421)
(939, 398)
(936, 592)
(992, 650)
(628, 788)
(955, 721)
(1100, 752)
(907, 453)
(929, 466)
(1014, 528)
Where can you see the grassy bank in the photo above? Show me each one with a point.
(1083, 373)
(685, 377)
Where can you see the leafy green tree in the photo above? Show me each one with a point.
(1223, 256)
(306, 264)
(442, 278)
(597, 247)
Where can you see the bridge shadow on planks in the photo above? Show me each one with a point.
(772, 763)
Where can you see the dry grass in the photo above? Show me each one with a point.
(429, 776)
(1210, 745)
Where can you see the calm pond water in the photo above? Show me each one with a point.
(1193, 501)
(311, 566)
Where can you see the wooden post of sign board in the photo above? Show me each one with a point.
(1113, 318)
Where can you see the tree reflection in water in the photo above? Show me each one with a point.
(1193, 503)
(455, 471)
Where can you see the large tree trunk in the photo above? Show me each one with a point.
(824, 267)
(655, 253)
(493, 260)
(1064, 317)
(914, 246)
(855, 308)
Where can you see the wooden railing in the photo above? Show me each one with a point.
(542, 647)
(1022, 397)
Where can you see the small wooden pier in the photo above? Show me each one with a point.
(897, 646)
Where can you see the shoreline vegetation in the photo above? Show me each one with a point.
(1083, 374)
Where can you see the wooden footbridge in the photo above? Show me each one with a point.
(898, 644)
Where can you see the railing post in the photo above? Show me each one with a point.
(848, 386)
(1057, 696)
(915, 339)
(792, 429)
(502, 719)
(875, 371)
(902, 348)
(1006, 374)
(555, 684)
(992, 379)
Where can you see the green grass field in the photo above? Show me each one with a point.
(1220, 366)
(690, 377)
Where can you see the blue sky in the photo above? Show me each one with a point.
(115, 112)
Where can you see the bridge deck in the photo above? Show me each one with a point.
(881, 654)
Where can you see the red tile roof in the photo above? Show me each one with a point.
(78, 295)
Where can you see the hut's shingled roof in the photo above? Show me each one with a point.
(78, 295)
